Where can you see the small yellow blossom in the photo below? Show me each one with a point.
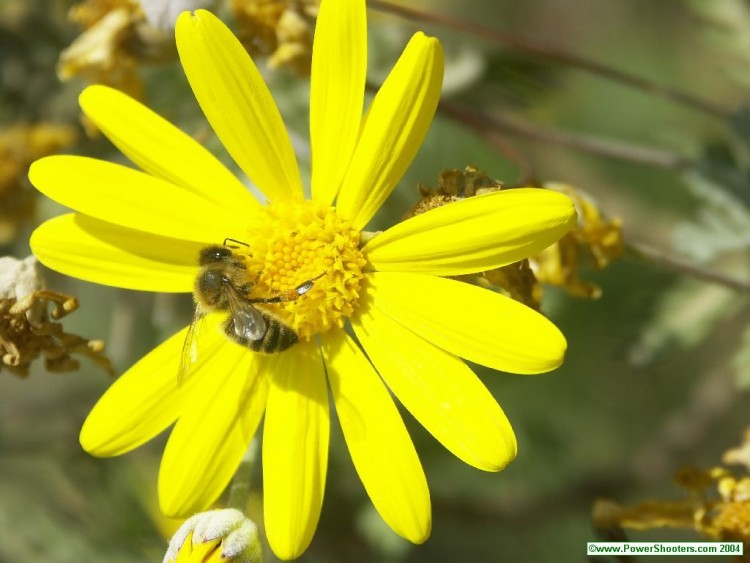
(596, 237)
(717, 505)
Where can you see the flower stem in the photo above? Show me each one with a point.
(551, 54)
(239, 488)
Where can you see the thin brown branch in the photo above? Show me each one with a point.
(484, 123)
(668, 261)
(551, 54)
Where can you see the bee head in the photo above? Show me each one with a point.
(214, 255)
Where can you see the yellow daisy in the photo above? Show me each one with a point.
(145, 230)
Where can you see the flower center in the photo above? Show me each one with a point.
(291, 243)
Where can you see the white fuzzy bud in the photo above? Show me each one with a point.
(237, 535)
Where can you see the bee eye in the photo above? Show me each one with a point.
(213, 255)
(210, 282)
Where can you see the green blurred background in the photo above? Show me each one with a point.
(655, 377)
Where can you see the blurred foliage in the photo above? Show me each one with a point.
(726, 30)
(515, 80)
(657, 366)
(20, 145)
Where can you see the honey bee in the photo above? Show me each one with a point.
(224, 285)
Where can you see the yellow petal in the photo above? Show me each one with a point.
(213, 432)
(378, 442)
(237, 103)
(337, 89)
(100, 252)
(145, 399)
(440, 391)
(475, 234)
(130, 198)
(474, 323)
(295, 449)
(161, 149)
(396, 124)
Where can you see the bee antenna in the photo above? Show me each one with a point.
(235, 241)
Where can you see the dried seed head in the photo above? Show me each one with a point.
(27, 325)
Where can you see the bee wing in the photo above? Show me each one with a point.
(190, 347)
(247, 322)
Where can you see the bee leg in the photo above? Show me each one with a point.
(303, 288)
(290, 295)
(306, 286)
(247, 287)
(282, 298)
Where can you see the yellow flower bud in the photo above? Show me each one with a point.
(225, 536)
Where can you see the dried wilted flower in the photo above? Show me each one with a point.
(515, 280)
(20, 145)
(454, 184)
(116, 39)
(279, 29)
(717, 504)
(26, 331)
(599, 238)
(558, 265)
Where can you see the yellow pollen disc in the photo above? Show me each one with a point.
(291, 243)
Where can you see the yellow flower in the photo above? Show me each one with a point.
(144, 230)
